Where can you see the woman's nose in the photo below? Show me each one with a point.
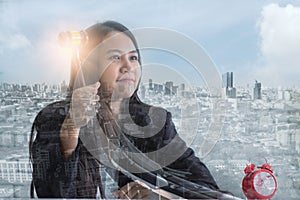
(127, 64)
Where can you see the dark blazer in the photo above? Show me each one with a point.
(79, 177)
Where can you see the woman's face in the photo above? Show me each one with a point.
(122, 69)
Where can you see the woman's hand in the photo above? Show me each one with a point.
(83, 104)
(133, 190)
(82, 110)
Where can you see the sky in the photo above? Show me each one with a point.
(255, 39)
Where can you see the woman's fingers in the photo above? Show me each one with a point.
(140, 193)
(87, 90)
(83, 105)
(132, 190)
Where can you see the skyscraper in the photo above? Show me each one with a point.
(227, 81)
(181, 89)
(143, 91)
(150, 84)
(257, 90)
(168, 88)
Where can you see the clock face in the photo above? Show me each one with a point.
(264, 183)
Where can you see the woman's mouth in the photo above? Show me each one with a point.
(127, 80)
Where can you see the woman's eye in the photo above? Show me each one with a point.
(133, 58)
(115, 57)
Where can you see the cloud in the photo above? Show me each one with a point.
(280, 45)
(11, 37)
(14, 41)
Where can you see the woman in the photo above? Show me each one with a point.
(68, 152)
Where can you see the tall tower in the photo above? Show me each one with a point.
(181, 89)
(227, 80)
(168, 88)
(150, 84)
(257, 90)
(143, 91)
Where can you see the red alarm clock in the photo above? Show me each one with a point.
(259, 183)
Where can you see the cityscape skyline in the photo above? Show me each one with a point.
(269, 127)
(254, 83)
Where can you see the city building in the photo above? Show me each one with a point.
(227, 84)
(227, 80)
(257, 90)
(150, 84)
(15, 171)
(169, 88)
(181, 89)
